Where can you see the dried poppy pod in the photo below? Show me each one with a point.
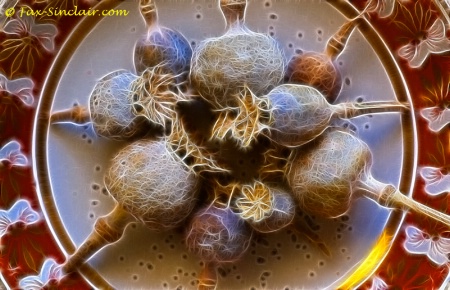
(221, 66)
(335, 169)
(319, 69)
(161, 46)
(125, 106)
(290, 115)
(322, 176)
(110, 108)
(266, 209)
(300, 113)
(217, 235)
(151, 186)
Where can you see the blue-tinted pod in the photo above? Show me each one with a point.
(163, 47)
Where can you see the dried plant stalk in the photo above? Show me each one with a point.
(196, 157)
(208, 277)
(107, 230)
(245, 123)
(155, 96)
(77, 114)
(337, 42)
(148, 12)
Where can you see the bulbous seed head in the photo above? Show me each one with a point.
(164, 47)
(111, 107)
(221, 66)
(218, 235)
(322, 177)
(152, 185)
(298, 114)
(316, 70)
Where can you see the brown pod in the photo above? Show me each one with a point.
(318, 69)
(152, 184)
(326, 177)
(322, 175)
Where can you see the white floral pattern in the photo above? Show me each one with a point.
(13, 153)
(436, 117)
(383, 8)
(436, 182)
(21, 88)
(378, 284)
(436, 248)
(435, 41)
(21, 211)
(45, 33)
(50, 271)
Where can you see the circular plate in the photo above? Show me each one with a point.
(51, 176)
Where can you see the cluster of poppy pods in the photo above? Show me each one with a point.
(185, 109)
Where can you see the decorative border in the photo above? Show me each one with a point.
(416, 32)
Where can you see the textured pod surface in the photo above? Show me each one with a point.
(299, 114)
(221, 66)
(323, 175)
(155, 95)
(165, 47)
(150, 184)
(316, 70)
(218, 235)
(111, 106)
(281, 215)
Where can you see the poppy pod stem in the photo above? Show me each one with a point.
(208, 277)
(352, 109)
(336, 44)
(392, 198)
(76, 114)
(233, 10)
(107, 230)
(149, 12)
